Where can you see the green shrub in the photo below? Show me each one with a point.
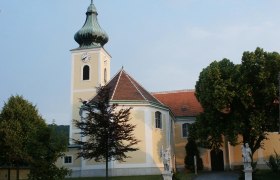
(191, 151)
(274, 162)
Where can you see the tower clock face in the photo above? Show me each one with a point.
(85, 57)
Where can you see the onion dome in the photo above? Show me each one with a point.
(91, 34)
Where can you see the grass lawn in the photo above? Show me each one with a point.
(156, 177)
(185, 175)
(180, 176)
(267, 174)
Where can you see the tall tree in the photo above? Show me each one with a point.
(25, 139)
(107, 128)
(239, 99)
(49, 146)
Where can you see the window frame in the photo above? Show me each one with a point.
(65, 158)
(185, 130)
(83, 72)
(158, 120)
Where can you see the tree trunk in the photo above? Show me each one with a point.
(17, 171)
(107, 167)
(9, 173)
(107, 159)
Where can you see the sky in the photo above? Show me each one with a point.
(163, 44)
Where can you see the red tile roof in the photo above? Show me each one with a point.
(124, 87)
(181, 103)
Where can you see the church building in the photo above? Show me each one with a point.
(161, 118)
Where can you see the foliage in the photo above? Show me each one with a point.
(274, 162)
(191, 151)
(183, 175)
(61, 132)
(238, 99)
(26, 140)
(109, 134)
(266, 174)
(51, 146)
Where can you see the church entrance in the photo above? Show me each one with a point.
(217, 160)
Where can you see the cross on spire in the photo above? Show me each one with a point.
(91, 1)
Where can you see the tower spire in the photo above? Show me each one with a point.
(91, 34)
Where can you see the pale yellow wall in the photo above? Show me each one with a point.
(158, 138)
(93, 162)
(236, 153)
(105, 63)
(180, 152)
(23, 174)
(78, 82)
(86, 89)
(273, 143)
(172, 141)
(76, 107)
(138, 119)
(77, 104)
(99, 60)
(180, 144)
(206, 159)
(75, 162)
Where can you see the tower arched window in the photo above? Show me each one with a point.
(158, 120)
(86, 72)
(185, 129)
(105, 75)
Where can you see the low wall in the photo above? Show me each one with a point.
(23, 173)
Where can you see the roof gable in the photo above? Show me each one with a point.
(125, 88)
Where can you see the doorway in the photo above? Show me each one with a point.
(217, 160)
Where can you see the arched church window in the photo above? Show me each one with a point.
(105, 75)
(185, 130)
(158, 120)
(86, 71)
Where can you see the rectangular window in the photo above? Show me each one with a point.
(185, 130)
(68, 160)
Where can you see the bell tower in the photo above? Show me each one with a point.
(90, 64)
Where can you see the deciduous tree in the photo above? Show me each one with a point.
(106, 128)
(239, 99)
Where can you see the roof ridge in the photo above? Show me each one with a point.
(174, 91)
(113, 94)
(129, 77)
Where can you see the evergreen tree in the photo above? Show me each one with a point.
(109, 134)
(191, 151)
(26, 140)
